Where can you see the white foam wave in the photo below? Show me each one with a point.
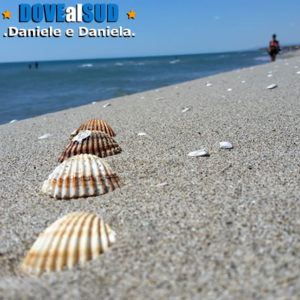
(86, 66)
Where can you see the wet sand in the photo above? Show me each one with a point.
(220, 227)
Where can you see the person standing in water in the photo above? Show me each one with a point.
(273, 48)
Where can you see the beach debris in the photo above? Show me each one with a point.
(12, 121)
(270, 75)
(106, 105)
(226, 145)
(142, 134)
(201, 152)
(95, 125)
(91, 142)
(272, 86)
(243, 81)
(162, 184)
(45, 136)
(208, 84)
(229, 90)
(186, 109)
(83, 175)
(73, 239)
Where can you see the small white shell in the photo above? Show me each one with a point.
(162, 184)
(208, 84)
(226, 145)
(79, 176)
(298, 72)
(142, 134)
(270, 75)
(186, 109)
(229, 90)
(82, 135)
(201, 152)
(75, 238)
(106, 105)
(243, 81)
(12, 121)
(45, 136)
(272, 86)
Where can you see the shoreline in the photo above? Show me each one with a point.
(35, 103)
(224, 226)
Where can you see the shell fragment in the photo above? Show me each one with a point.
(272, 86)
(201, 152)
(45, 136)
(226, 145)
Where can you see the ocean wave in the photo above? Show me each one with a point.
(262, 58)
(119, 64)
(86, 66)
(175, 61)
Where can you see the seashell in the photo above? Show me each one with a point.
(270, 75)
(243, 81)
(74, 239)
(142, 134)
(79, 176)
(298, 72)
(201, 152)
(91, 142)
(272, 86)
(95, 125)
(208, 84)
(162, 184)
(186, 109)
(106, 105)
(12, 121)
(226, 145)
(229, 90)
(45, 136)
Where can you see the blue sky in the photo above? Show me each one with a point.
(162, 27)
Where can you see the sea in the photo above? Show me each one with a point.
(57, 85)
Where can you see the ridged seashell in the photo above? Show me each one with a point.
(91, 142)
(75, 238)
(95, 125)
(79, 176)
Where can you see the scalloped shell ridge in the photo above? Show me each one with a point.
(96, 125)
(93, 142)
(83, 175)
(75, 238)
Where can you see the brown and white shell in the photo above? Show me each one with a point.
(75, 238)
(79, 176)
(91, 142)
(95, 125)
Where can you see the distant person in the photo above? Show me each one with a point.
(273, 48)
(36, 64)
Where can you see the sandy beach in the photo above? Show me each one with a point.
(220, 227)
